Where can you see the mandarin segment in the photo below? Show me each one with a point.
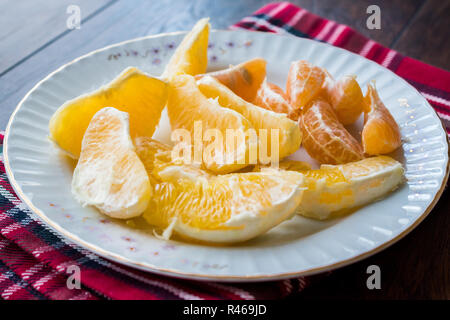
(140, 95)
(347, 99)
(109, 175)
(325, 138)
(272, 97)
(243, 79)
(381, 134)
(304, 83)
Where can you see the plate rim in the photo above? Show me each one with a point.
(198, 276)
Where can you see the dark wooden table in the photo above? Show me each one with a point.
(34, 40)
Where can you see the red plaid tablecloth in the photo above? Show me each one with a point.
(34, 260)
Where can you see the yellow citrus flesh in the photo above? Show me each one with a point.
(109, 175)
(264, 121)
(141, 96)
(191, 55)
(337, 188)
(226, 208)
(188, 107)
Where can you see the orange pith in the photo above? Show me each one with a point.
(381, 133)
(325, 138)
(243, 79)
(305, 82)
(347, 99)
(272, 97)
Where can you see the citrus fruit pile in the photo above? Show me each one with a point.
(208, 189)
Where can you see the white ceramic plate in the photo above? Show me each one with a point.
(41, 175)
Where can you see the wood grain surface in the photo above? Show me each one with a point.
(34, 41)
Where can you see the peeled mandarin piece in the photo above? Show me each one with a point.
(191, 55)
(289, 134)
(271, 97)
(222, 209)
(188, 107)
(140, 95)
(381, 133)
(347, 99)
(325, 138)
(109, 175)
(334, 190)
(243, 79)
(304, 83)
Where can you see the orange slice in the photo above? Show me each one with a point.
(243, 79)
(264, 121)
(381, 133)
(187, 106)
(325, 138)
(140, 95)
(347, 99)
(222, 209)
(190, 57)
(109, 175)
(333, 190)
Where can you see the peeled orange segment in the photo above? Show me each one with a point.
(243, 79)
(191, 55)
(325, 138)
(109, 174)
(141, 96)
(272, 97)
(304, 83)
(336, 189)
(222, 209)
(381, 133)
(264, 121)
(188, 107)
(347, 99)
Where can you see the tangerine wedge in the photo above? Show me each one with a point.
(140, 95)
(347, 99)
(243, 79)
(190, 57)
(304, 83)
(109, 175)
(272, 97)
(325, 138)
(381, 133)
